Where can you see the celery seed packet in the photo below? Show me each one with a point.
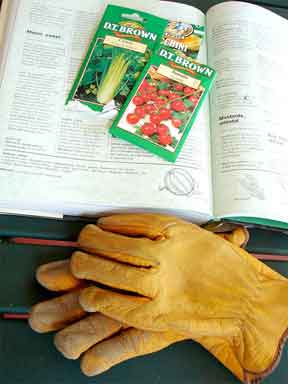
(118, 53)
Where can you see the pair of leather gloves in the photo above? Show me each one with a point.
(144, 281)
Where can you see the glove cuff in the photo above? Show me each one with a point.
(266, 329)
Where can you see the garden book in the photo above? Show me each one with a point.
(60, 160)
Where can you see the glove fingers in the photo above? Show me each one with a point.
(57, 276)
(125, 249)
(124, 346)
(77, 338)
(56, 313)
(113, 274)
(112, 304)
(152, 226)
(239, 236)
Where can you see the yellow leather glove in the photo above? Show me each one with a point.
(96, 338)
(188, 281)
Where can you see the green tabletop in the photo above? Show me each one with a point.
(26, 357)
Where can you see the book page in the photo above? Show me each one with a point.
(247, 46)
(52, 159)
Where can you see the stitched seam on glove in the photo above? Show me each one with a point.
(276, 360)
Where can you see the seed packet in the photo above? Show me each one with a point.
(183, 37)
(164, 103)
(117, 55)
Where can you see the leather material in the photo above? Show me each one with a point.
(190, 281)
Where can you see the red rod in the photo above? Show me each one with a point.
(46, 242)
(270, 257)
(74, 244)
(15, 316)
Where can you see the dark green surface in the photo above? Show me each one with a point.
(29, 357)
(36, 361)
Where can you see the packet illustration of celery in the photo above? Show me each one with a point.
(164, 103)
(183, 37)
(118, 53)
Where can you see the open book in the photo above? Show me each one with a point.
(58, 161)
